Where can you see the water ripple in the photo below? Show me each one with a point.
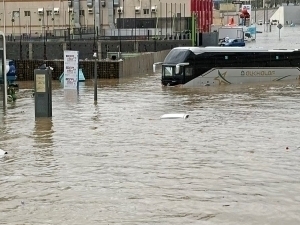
(235, 160)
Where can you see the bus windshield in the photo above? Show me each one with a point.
(177, 56)
(168, 71)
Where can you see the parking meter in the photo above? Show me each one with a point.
(43, 92)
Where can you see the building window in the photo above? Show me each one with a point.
(27, 13)
(81, 12)
(16, 14)
(146, 11)
(49, 12)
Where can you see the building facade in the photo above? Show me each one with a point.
(37, 17)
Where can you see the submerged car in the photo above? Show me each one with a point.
(233, 43)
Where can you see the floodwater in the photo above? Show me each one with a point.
(286, 38)
(235, 160)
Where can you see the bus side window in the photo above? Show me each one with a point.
(188, 71)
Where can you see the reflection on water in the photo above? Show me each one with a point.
(42, 134)
(116, 162)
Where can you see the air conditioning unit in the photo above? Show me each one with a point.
(154, 9)
(70, 10)
(90, 11)
(56, 11)
(40, 11)
(137, 9)
(70, 3)
(120, 10)
(103, 3)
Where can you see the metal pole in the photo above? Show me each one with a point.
(124, 15)
(3, 70)
(267, 19)
(52, 14)
(4, 22)
(30, 24)
(160, 8)
(20, 30)
(44, 34)
(166, 20)
(171, 21)
(134, 27)
(13, 23)
(180, 23)
(70, 47)
(256, 5)
(227, 12)
(120, 39)
(95, 78)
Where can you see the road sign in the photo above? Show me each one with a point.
(279, 26)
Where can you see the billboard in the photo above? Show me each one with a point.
(71, 72)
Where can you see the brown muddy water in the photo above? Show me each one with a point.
(117, 163)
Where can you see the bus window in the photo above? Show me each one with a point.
(188, 71)
(168, 71)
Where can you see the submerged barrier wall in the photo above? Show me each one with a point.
(142, 63)
(106, 69)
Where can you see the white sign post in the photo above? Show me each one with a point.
(71, 72)
(279, 26)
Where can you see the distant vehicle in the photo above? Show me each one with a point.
(233, 43)
(260, 22)
(10, 70)
(274, 22)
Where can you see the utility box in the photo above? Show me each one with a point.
(43, 92)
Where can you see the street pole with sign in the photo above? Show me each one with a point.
(279, 26)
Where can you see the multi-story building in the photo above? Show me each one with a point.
(37, 17)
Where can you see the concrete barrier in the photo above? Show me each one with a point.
(141, 64)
